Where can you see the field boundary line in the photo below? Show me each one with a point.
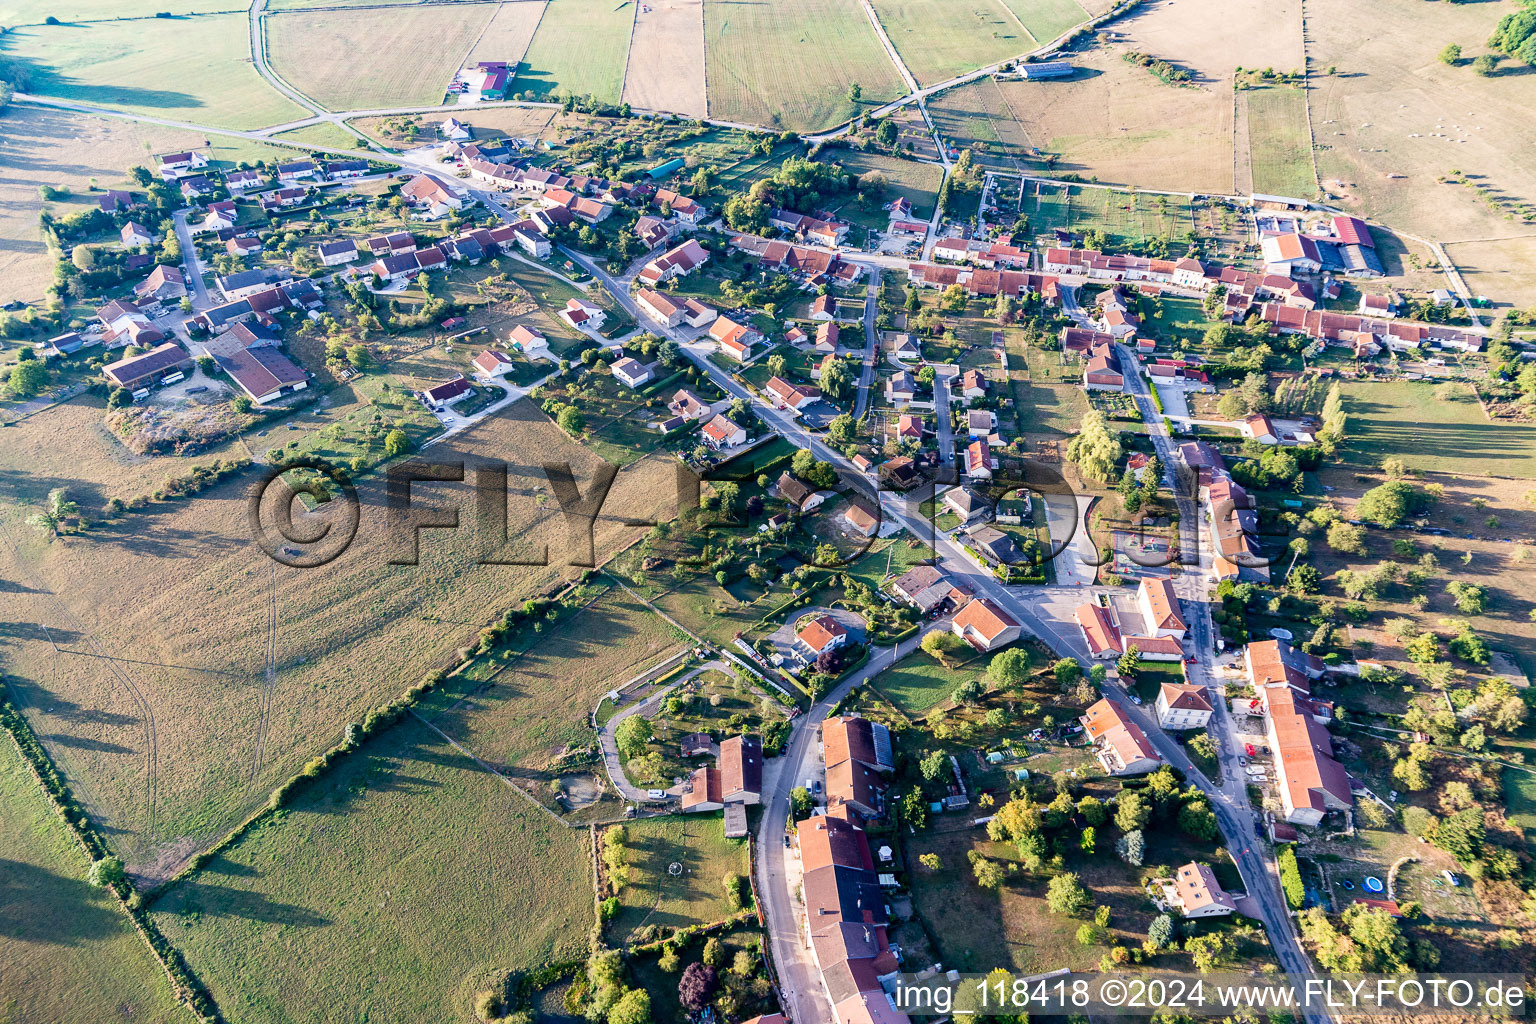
(1306, 96)
(456, 745)
(629, 48)
(1019, 22)
(464, 61)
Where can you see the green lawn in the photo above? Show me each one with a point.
(918, 682)
(1520, 801)
(67, 952)
(919, 182)
(1434, 432)
(1279, 144)
(580, 49)
(1049, 408)
(696, 894)
(1047, 19)
(400, 882)
(189, 69)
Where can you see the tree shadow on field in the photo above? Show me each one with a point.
(157, 541)
(64, 739)
(31, 488)
(222, 901)
(50, 703)
(42, 906)
(34, 631)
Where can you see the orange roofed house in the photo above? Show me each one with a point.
(1120, 745)
(985, 626)
(1312, 782)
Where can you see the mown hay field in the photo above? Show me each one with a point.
(666, 58)
(580, 49)
(195, 69)
(507, 36)
(1047, 19)
(789, 64)
(1435, 429)
(938, 39)
(1279, 145)
(67, 952)
(168, 613)
(373, 58)
(393, 889)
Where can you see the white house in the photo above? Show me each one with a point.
(1195, 891)
(630, 372)
(1182, 706)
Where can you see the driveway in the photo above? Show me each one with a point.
(783, 638)
(613, 763)
(1066, 516)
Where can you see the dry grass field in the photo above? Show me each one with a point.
(1503, 269)
(580, 49)
(401, 56)
(525, 704)
(195, 69)
(62, 149)
(789, 64)
(1406, 118)
(168, 613)
(1116, 123)
(666, 58)
(938, 39)
(695, 896)
(66, 951)
(402, 883)
(323, 134)
(1245, 33)
(17, 13)
(506, 37)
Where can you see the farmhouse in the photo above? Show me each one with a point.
(1290, 253)
(676, 262)
(138, 371)
(251, 359)
(702, 791)
(659, 307)
(392, 244)
(1182, 706)
(652, 231)
(431, 196)
(698, 314)
(1311, 780)
(173, 165)
(741, 769)
(525, 339)
(1102, 371)
(1119, 744)
(860, 520)
(685, 210)
(985, 626)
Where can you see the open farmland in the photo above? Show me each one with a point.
(1394, 119)
(580, 49)
(528, 122)
(403, 882)
(68, 150)
(323, 133)
(666, 58)
(192, 651)
(194, 69)
(18, 13)
(412, 53)
(938, 39)
(695, 896)
(526, 702)
(1047, 19)
(67, 952)
(1117, 123)
(1503, 269)
(770, 64)
(507, 36)
(1434, 430)
(1279, 146)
